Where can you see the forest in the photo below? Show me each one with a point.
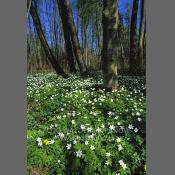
(86, 87)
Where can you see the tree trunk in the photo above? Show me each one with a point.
(44, 43)
(85, 45)
(68, 44)
(65, 7)
(144, 50)
(141, 35)
(109, 59)
(119, 43)
(133, 39)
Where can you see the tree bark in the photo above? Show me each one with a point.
(65, 7)
(133, 39)
(44, 43)
(67, 39)
(109, 59)
(119, 43)
(141, 35)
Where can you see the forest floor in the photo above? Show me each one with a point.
(74, 128)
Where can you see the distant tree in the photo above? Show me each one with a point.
(109, 57)
(133, 39)
(48, 52)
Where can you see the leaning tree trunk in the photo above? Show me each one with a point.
(133, 39)
(43, 41)
(67, 39)
(66, 10)
(109, 58)
(141, 35)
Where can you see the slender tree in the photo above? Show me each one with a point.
(67, 14)
(109, 59)
(43, 40)
(141, 35)
(121, 49)
(133, 39)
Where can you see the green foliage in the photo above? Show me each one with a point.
(72, 125)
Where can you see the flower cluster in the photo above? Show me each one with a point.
(73, 123)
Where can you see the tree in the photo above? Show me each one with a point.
(67, 15)
(142, 35)
(121, 49)
(67, 39)
(133, 39)
(109, 50)
(90, 15)
(43, 40)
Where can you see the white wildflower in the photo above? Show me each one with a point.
(111, 127)
(139, 119)
(109, 113)
(98, 130)
(61, 135)
(102, 125)
(58, 117)
(52, 142)
(82, 127)
(122, 164)
(51, 126)
(79, 153)
(40, 143)
(74, 142)
(107, 162)
(38, 139)
(86, 142)
(73, 122)
(131, 126)
(138, 114)
(136, 130)
(68, 146)
(120, 147)
(89, 129)
(118, 140)
(108, 154)
(92, 147)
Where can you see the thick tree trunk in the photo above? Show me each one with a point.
(133, 39)
(141, 35)
(44, 43)
(65, 7)
(109, 59)
(68, 44)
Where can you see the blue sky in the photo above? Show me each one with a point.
(122, 9)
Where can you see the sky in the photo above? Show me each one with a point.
(122, 9)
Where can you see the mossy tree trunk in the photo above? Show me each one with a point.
(109, 50)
